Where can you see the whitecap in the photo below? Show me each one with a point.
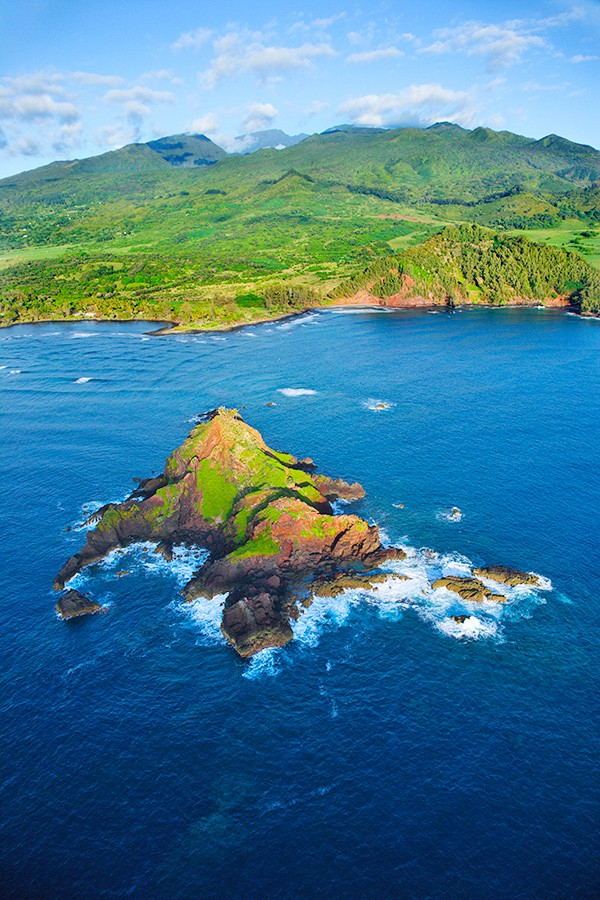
(82, 380)
(296, 392)
(13, 372)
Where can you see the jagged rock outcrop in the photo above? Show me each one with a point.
(73, 603)
(469, 589)
(265, 518)
(504, 575)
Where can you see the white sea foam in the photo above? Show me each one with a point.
(13, 372)
(472, 628)
(296, 392)
(140, 558)
(378, 405)
(264, 664)
(449, 514)
(204, 616)
(324, 614)
(83, 380)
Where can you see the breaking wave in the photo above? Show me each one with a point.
(141, 557)
(296, 392)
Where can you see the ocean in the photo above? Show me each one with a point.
(387, 751)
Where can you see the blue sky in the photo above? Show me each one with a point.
(79, 77)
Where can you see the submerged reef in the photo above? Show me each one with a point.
(266, 519)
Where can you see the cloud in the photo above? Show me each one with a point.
(421, 104)
(316, 107)
(502, 45)
(197, 38)
(579, 58)
(36, 97)
(117, 135)
(92, 78)
(260, 116)
(320, 24)
(238, 52)
(3, 140)
(205, 124)
(375, 55)
(69, 136)
(26, 146)
(28, 107)
(138, 94)
(161, 75)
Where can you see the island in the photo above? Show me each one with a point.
(266, 519)
(275, 542)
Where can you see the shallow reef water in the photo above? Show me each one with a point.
(389, 750)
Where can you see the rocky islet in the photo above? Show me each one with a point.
(275, 544)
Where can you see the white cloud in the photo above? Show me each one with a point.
(117, 135)
(92, 78)
(579, 58)
(161, 75)
(316, 107)
(260, 116)
(69, 136)
(502, 45)
(238, 52)
(206, 124)
(24, 146)
(138, 94)
(376, 55)
(197, 38)
(421, 104)
(27, 107)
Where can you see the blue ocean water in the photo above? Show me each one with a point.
(386, 752)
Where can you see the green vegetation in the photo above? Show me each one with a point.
(474, 264)
(262, 545)
(218, 493)
(176, 230)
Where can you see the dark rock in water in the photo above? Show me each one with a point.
(359, 581)
(460, 619)
(265, 519)
(165, 549)
(469, 589)
(504, 575)
(73, 603)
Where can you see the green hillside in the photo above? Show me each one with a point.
(150, 231)
(471, 264)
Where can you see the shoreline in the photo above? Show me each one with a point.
(167, 327)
